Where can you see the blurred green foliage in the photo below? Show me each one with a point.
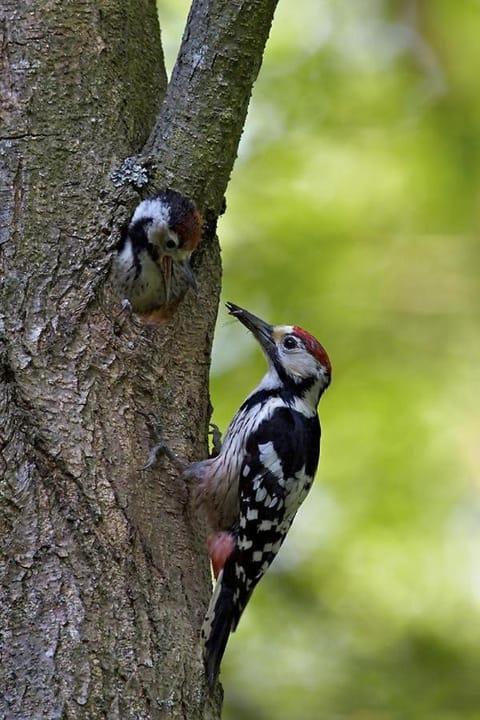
(353, 211)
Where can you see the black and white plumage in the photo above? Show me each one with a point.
(266, 466)
(152, 262)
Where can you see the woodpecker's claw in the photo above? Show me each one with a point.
(188, 274)
(125, 308)
(216, 440)
(127, 311)
(161, 447)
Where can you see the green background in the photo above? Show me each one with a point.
(353, 211)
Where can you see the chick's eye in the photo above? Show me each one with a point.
(171, 244)
(289, 343)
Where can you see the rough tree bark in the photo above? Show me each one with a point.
(104, 577)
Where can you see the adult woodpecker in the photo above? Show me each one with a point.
(253, 488)
(152, 263)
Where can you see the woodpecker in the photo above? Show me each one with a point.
(253, 488)
(152, 263)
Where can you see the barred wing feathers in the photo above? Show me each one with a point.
(276, 475)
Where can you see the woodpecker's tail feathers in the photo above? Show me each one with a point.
(217, 627)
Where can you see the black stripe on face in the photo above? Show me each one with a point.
(289, 392)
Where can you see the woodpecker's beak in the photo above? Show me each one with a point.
(188, 274)
(262, 331)
(166, 264)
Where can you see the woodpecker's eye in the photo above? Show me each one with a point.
(289, 343)
(171, 243)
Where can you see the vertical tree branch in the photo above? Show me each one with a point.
(197, 132)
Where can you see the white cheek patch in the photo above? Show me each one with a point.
(300, 365)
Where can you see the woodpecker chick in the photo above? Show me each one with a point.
(152, 263)
(253, 488)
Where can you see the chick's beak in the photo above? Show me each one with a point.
(166, 264)
(188, 274)
(262, 331)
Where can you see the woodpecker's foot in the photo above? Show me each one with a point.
(125, 307)
(161, 448)
(127, 311)
(216, 440)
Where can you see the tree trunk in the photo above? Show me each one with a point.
(104, 577)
